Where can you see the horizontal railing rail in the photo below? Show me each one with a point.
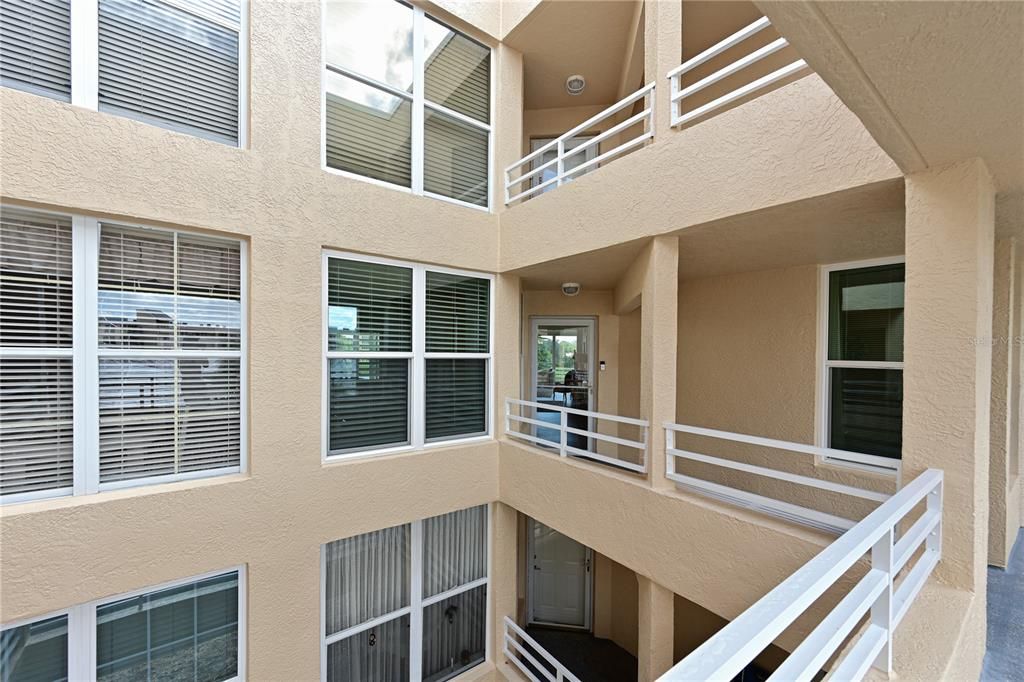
(884, 594)
(533, 179)
(564, 430)
(524, 651)
(680, 93)
(780, 508)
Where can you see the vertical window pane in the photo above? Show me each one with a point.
(189, 632)
(369, 132)
(454, 549)
(867, 411)
(454, 633)
(456, 398)
(457, 71)
(367, 576)
(36, 54)
(369, 307)
(372, 38)
(37, 652)
(380, 654)
(455, 159)
(137, 418)
(458, 313)
(866, 314)
(169, 67)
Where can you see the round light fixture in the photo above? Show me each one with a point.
(571, 288)
(575, 84)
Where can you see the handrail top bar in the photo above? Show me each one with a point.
(721, 46)
(778, 609)
(509, 623)
(586, 413)
(892, 465)
(731, 69)
(628, 99)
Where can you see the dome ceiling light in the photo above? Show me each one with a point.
(575, 84)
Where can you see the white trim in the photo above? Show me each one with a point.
(85, 54)
(417, 358)
(417, 98)
(822, 420)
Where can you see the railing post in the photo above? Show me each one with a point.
(563, 432)
(561, 161)
(674, 106)
(670, 459)
(881, 610)
(508, 413)
(933, 543)
(650, 117)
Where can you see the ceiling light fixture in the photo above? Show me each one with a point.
(575, 84)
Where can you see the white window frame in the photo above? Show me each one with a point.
(418, 357)
(85, 65)
(417, 603)
(82, 623)
(822, 422)
(86, 354)
(419, 105)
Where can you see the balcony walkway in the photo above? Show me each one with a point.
(590, 658)
(1004, 656)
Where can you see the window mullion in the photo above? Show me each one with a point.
(416, 599)
(82, 642)
(419, 332)
(417, 100)
(88, 353)
(85, 53)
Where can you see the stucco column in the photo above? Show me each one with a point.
(504, 564)
(507, 375)
(663, 51)
(658, 333)
(508, 119)
(655, 634)
(947, 354)
(1003, 441)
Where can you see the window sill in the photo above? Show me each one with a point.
(329, 459)
(401, 188)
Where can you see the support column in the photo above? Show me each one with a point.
(655, 636)
(508, 130)
(663, 51)
(658, 332)
(1003, 497)
(948, 359)
(504, 590)
(507, 346)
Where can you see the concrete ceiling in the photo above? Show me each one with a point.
(933, 82)
(595, 270)
(559, 38)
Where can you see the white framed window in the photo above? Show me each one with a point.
(407, 101)
(191, 629)
(860, 348)
(407, 355)
(407, 602)
(177, 64)
(122, 355)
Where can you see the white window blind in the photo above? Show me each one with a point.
(414, 110)
(155, 362)
(407, 355)
(407, 602)
(35, 46)
(36, 355)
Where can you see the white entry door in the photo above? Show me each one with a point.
(560, 578)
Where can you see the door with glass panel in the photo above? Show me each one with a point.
(560, 578)
(563, 375)
(570, 162)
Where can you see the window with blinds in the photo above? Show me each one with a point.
(162, 377)
(371, 601)
(37, 362)
(373, 102)
(864, 364)
(387, 386)
(35, 36)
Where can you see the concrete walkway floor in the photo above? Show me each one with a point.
(589, 658)
(1004, 655)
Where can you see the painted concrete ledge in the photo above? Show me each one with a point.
(794, 143)
(701, 549)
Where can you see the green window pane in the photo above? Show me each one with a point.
(36, 652)
(867, 411)
(458, 313)
(866, 314)
(457, 72)
(380, 654)
(455, 159)
(369, 403)
(456, 402)
(369, 307)
(454, 634)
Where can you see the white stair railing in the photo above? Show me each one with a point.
(563, 430)
(768, 505)
(679, 93)
(523, 651)
(884, 594)
(529, 182)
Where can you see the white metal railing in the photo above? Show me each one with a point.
(679, 93)
(768, 505)
(524, 653)
(532, 178)
(562, 428)
(882, 594)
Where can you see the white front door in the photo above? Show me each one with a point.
(560, 578)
